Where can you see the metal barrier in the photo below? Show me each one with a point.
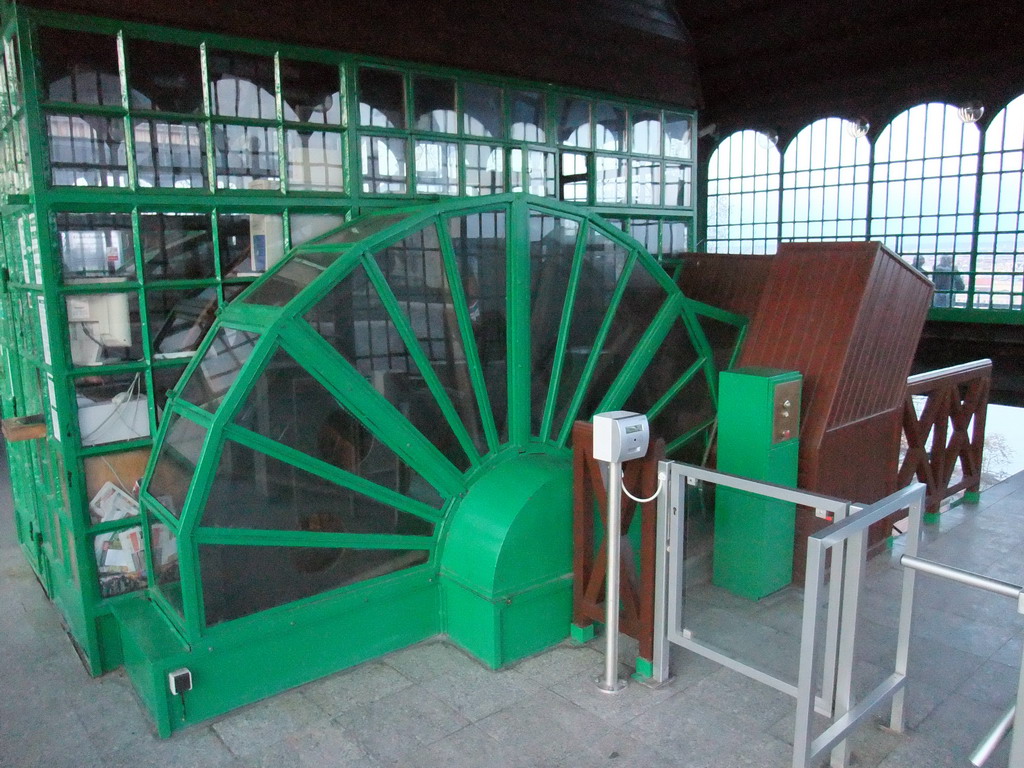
(843, 548)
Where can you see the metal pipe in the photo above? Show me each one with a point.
(1004, 588)
(991, 743)
(611, 683)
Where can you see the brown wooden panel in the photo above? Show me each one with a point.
(731, 281)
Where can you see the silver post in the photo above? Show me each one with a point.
(611, 682)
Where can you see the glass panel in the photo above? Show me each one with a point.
(640, 302)
(414, 269)
(170, 154)
(164, 379)
(249, 243)
(437, 168)
(678, 141)
(674, 356)
(610, 185)
(573, 117)
(104, 328)
(678, 187)
(381, 98)
(743, 195)
(526, 112)
(311, 92)
(434, 104)
(239, 580)
(603, 262)
(362, 228)
(383, 164)
(176, 246)
(112, 408)
(540, 172)
(241, 85)
(647, 232)
(479, 244)
(646, 132)
(253, 490)
(306, 226)
(609, 127)
(675, 239)
(112, 484)
(353, 319)
(481, 110)
(246, 157)
(164, 76)
(164, 546)
(87, 151)
(690, 408)
(120, 561)
(219, 368)
(289, 405)
(552, 245)
(95, 245)
(179, 319)
(80, 67)
(285, 284)
(646, 182)
(575, 179)
(314, 160)
(485, 169)
(176, 463)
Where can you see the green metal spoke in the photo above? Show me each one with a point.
(273, 538)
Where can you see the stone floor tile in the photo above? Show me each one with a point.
(428, 660)
(251, 730)
(475, 692)
(354, 687)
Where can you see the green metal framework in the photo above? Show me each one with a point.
(391, 405)
(933, 186)
(123, 194)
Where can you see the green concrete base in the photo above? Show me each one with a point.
(580, 634)
(644, 669)
(972, 497)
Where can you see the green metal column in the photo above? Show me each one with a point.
(758, 427)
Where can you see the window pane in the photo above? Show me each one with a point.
(678, 185)
(104, 328)
(240, 580)
(609, 127)
(164, 379)
(540, 172)
(95, 245)
(381, 98)
(241, 85)
(311, 92)
(170, 154)
(573, 117)
(437, 168)
(112, 408)
(485, 169)
(249, 243)
(87, 151)
(219, 368)
(677, 136)
(164, 544)
(79, 67)
(176, 246)
(120, 561)
(434, 102)
(481, 110)
(285, 284)
(306, 226)
(383, 164)
(176, 464)
(526, 111)
(575, 178)
(646, 132)
(646, 182)
(610, 186)
(164, 76)
(178, 320)
(246, 157)
(314, 160)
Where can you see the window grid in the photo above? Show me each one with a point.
(743, 195)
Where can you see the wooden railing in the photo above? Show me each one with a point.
(943, 436)
(590, 554)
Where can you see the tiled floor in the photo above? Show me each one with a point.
(431, 705)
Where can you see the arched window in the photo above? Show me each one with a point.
(743, 195)
(825, 183)
(999, 269)
(926, 163)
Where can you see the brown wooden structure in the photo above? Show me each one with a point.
(957, 397)
(590, 555)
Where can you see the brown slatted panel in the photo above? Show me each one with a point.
(730, 281)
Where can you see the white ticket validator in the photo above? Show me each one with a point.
(620, 436)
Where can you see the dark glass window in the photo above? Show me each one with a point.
(219, 368)
(95, 245)
(677, 136)
(242, 85)
(87, 151)
(80, 67)
(573, 117)
(434, 103)
(526, 113)
(481, 110)
(381, 98)
(311, 92)
(179, 319)
(164, 546)
(170, 154)
(246, 157)
(164, 76)
(609, 127)
(176, 463)
(176, 246)
(646, 132)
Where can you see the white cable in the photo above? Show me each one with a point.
(657, 493)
